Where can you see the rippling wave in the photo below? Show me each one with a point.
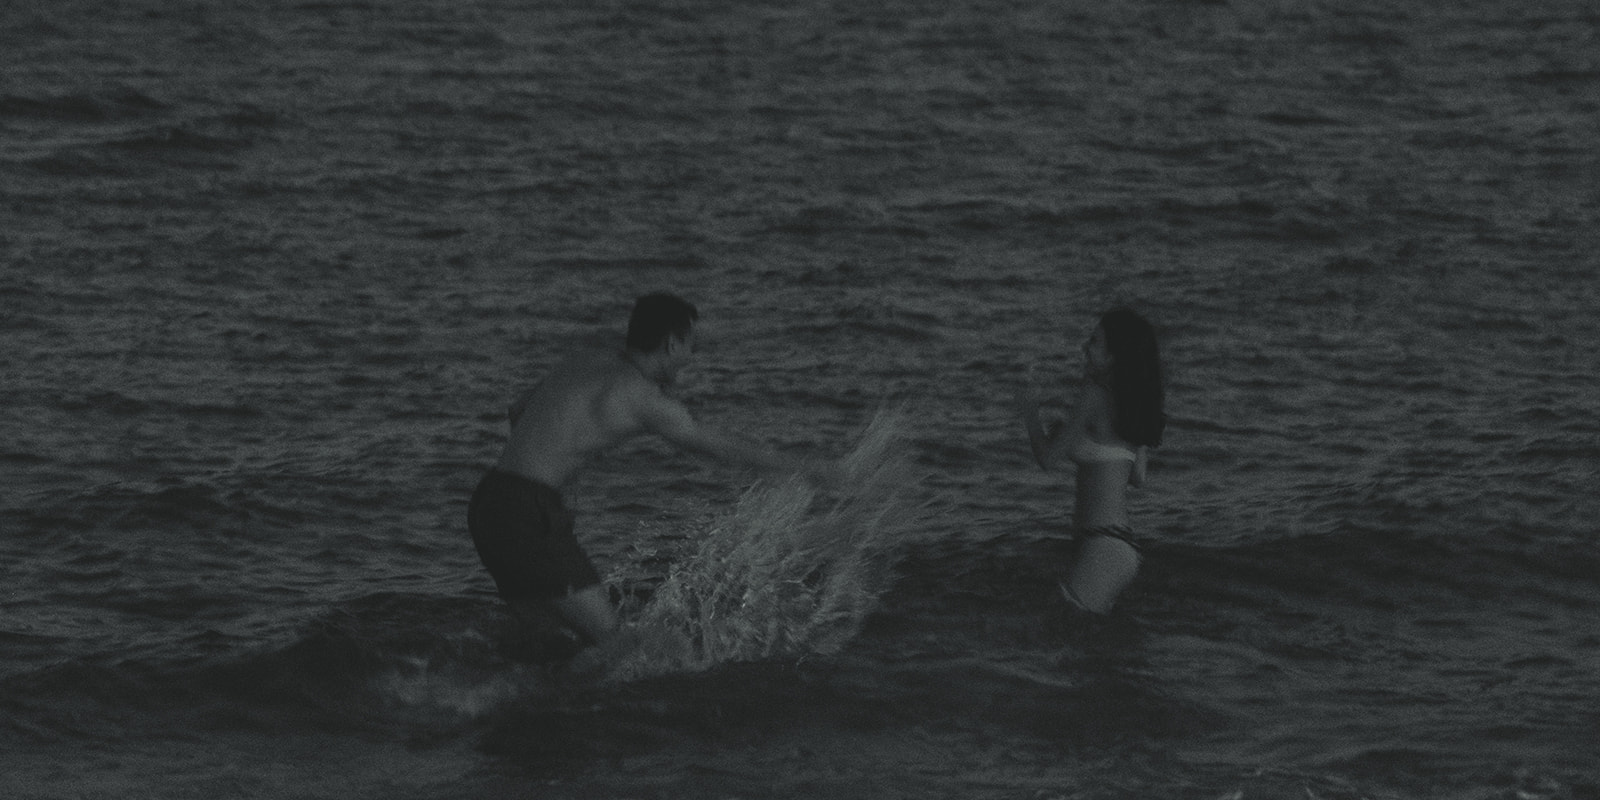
(270, 273)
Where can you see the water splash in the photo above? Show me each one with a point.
(422, 689)
(790, 570)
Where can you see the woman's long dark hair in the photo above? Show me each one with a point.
(1136, 386)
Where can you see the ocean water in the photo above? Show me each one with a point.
(271, 271)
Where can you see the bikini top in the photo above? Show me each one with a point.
(1088, 451)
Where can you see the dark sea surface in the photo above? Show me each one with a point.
(271, 271)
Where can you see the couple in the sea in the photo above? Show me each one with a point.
(590, 402)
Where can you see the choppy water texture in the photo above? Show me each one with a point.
(270, 272)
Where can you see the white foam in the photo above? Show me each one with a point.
(789, 570)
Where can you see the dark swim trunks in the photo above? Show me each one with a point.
(523, 533)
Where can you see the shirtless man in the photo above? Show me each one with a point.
(520, 526)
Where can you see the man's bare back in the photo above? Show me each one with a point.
(586, 404)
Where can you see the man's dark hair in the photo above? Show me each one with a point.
(657, 316)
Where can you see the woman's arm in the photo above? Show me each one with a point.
(1050, 442)
(1040, 439)
(519, 405)
(1140, 463)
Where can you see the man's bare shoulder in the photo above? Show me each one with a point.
(642, 395)
(581, 378)
(617, 387)
(587, 373)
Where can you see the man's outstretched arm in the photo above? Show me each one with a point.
(671, 420)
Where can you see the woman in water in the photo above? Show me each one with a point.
(1117, 419)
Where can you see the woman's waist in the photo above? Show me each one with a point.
(1088, 452)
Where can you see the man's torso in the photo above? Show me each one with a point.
(586, 404)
